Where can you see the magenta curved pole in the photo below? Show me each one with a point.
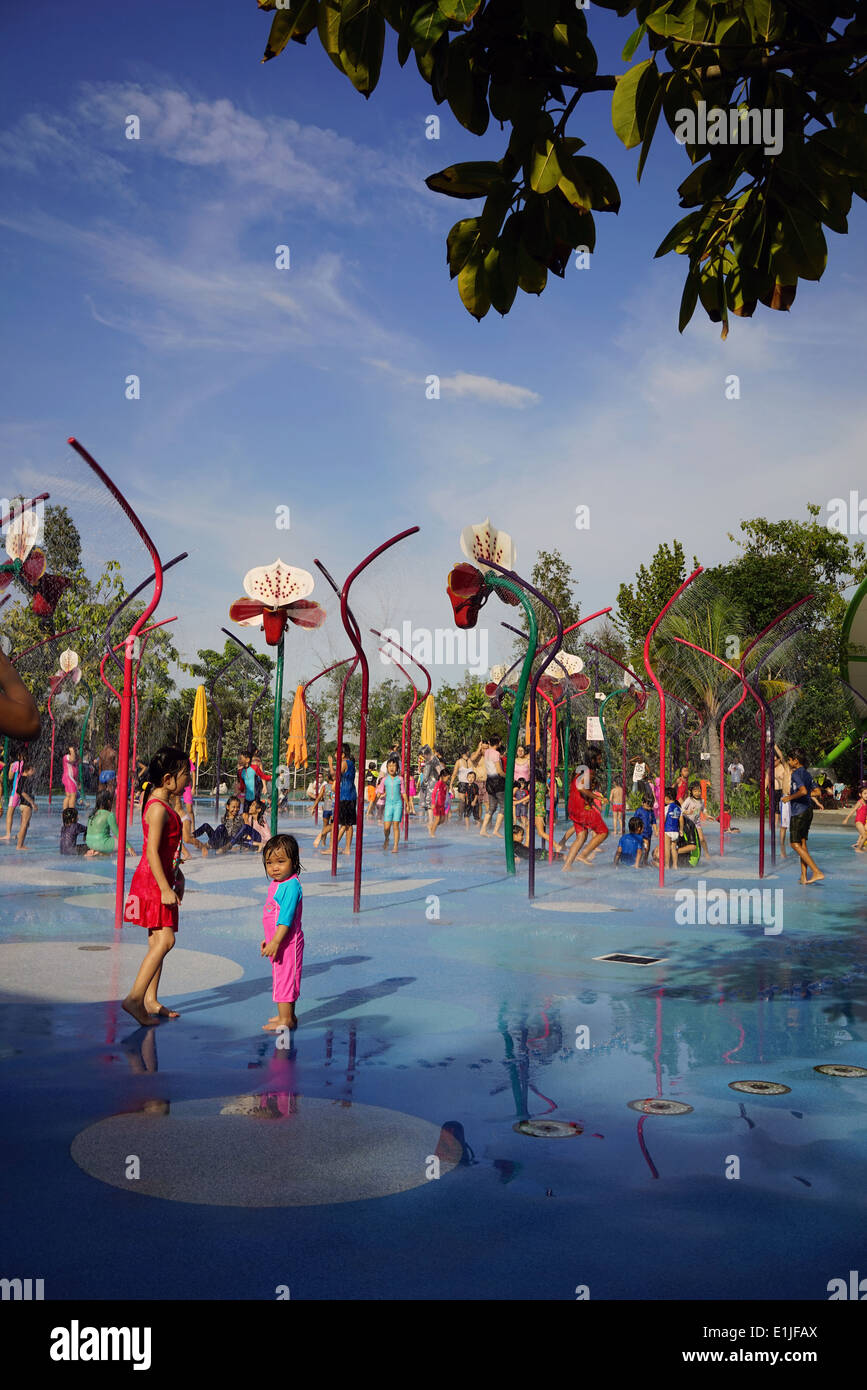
(304, 690)
(552, 773)
(123, 749)
(406, 728)
(747, 690)
(352, 631)
(661, 693)
(335, 819)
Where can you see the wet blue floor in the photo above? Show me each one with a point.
(449, 1000)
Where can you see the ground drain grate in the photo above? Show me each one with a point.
(761, 1088)
(94, 948)
(619, 958)
(840, 1069)
(548, 1129)
(657, 1105)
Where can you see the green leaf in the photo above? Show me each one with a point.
(649, 129)
(632, 43)
(625, 103)
(689, 298)
(604, 193)
(328, 25)
(473, 287)
(461, 10)
(544, 169)
(693, 22)
(804, 242)
(532, 275)
(294, 23)
(361, 37)
(463, 240)
(470, 180)
(501, 276)
(678, 239)
(466, 88)
(424, 26)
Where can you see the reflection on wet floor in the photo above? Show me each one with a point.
(457, 1051)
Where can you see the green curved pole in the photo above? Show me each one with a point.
(278, 712)
(605, 739)
(497, 581)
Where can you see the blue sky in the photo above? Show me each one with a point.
(263, 388)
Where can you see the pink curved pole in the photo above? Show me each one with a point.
(661, 693)
(305, 687)
(747, 690)
(337, 774)
(123, 741)
(354, 636)
(51, 717)
(552, 772)
(406, 728)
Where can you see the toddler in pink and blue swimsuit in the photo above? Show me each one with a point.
(281, 918)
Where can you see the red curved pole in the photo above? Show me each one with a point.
(722, 728)
(123, 749)
(747, 689)
(142, 646)
(304, 689)
(337, 774)
(406, 729)
(355, 638)
(661, 693)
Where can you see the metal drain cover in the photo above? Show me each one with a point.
(657, 1105)
(620, 958)
(548, 1129)
(840, 1069)
(94, 948)
(760, 1088)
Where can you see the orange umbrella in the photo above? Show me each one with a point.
(296, 743)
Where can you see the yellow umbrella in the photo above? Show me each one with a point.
(199, 744)
(296, 743)
(429, 723)
(538, 728)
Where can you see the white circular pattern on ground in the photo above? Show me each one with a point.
(761, 1088)
(194, 901)
(573, 905)
(247, 1151)
(63, 973)
(659, 1105)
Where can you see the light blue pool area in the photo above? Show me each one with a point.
(202, 1159)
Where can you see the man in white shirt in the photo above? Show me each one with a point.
(736, 773)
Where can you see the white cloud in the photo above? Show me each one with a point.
(464, 385)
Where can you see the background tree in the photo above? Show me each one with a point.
(639, 603)
(757, 209)
(553, 577)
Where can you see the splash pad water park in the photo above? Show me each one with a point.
(693, 1029)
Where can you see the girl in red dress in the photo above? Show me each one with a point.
(157, 884)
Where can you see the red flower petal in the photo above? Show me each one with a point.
(275, 624)
(306, 612)
(244, 608)
(34, 566)
(48, 593)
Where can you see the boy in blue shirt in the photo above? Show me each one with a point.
(801, 804)
(647, 818)
(673, 827)
(630, 848)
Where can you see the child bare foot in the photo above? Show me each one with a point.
(137, 1010)
(817, 878)
(159, 1010)
(277, 1025)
